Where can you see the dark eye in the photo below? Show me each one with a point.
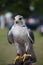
(20, 18)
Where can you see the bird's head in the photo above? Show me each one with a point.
(18, 19)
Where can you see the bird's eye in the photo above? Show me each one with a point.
(20, 18)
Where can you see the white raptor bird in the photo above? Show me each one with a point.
(21, 36)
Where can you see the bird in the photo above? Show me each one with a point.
(22, 37)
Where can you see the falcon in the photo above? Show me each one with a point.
(22, 38)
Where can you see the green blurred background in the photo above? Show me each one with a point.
(21, 6)
(8, 52)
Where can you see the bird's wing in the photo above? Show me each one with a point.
(10, 37)
(31, 35)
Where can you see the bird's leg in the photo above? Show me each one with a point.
(16, 58)
(26, 56)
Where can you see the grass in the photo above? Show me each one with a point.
(8, 52)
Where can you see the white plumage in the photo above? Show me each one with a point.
(20, 36)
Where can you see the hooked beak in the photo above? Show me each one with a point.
(17, 20)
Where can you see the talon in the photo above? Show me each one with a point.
(26, 56)
(17, 58)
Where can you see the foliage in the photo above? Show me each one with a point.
(21, 6)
